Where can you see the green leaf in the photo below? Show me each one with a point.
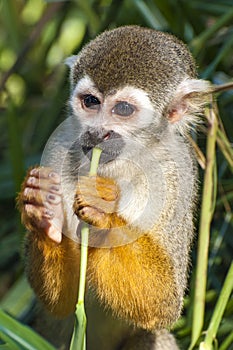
(15, 306)
(20, 336)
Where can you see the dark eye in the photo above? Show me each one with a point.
(124, 109)
(91, 101)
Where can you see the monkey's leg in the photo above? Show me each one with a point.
(52, 260)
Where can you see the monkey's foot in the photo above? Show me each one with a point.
(95, 201)
(40, 202)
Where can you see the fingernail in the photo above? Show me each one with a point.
(31, 181)
(53, 174)
(25, 191)
(34, 171)
(48, 213)
(54, 188)
(51, 197)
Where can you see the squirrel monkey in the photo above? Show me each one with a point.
(134, 94)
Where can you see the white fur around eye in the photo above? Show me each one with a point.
(139, 99)
(86, 86)
(134, 96)
(143, 115)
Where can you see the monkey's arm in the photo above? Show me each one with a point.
(136, 280)
(52, 259)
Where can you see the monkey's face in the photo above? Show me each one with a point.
(133, 84)
(122, 83)
(113, 120)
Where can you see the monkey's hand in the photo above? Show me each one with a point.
(96, 202)
(40, 203)
(48, 269)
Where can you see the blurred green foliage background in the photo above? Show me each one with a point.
(35, 38)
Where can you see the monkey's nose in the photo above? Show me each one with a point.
(91, 139)
(109, 141)
(108, 135)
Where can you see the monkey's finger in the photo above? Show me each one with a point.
(39, 197)
(43, 184)
(35, 218)
(43, 220)
(90, 200)
(93, 216)
(45, 173)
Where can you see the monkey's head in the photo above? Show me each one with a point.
(133, 82)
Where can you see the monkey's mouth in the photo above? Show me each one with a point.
(110, 142)
(109, 152)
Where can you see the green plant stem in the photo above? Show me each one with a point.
(218, 311)
(204, 230)
(78, 341)
(95, 161)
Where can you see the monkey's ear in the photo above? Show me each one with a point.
(70, 61)
(188, 102)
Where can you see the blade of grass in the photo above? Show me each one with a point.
(219, 239)
(92, 18)
(218, 311)
(204, 230)
(222, 53)
(10, 17)
(199, 42)
(16, 153)
(225, 147)
(8, 341)
(78, 341)
(227, 342)
(198, 153)
(50, 12)
(154, 20)
(15, 306)
(111, 14)
(21, 335)
(15, 146)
